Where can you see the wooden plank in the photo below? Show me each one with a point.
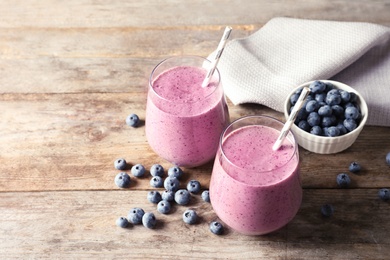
(153, 14)
(69, 142)
(81, 224)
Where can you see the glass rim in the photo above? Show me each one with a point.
(294, 142)
(183, 57)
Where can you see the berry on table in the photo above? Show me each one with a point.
(182, 197)
(120, 164)
(327, 210)
(157, 170)
(206, 195)
(216, 228)
(193, 186)
(164, 207)
(354, 167)
(122, 222)
(190, 216)
(138, 170)
(149, 220)
(156, 182)
(175, 172)
(384, 194)
(122, 180)
(343, 180)
(135, 215)
(171, 183)
(132, 120)
(154, 196)
(168, 195)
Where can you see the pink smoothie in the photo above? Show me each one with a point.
(262, 192)
(184, 120)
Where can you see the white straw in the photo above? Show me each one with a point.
(218, 54)
(305, 92)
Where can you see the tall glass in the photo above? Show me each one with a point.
(254, 189)
(184, 120)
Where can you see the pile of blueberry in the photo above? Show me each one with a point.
(164, 200)
(328, 111)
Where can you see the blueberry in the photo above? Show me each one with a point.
(333, 91)
(193, 186)
(132, 120)
(388, 159)
(313, 119)
(294, 98)
(317, 87)
(157, 170)
(135, 215)
(149, 220)
(120, 164)
(320, 97)
(175, 172)
(333, 99)
(164, 207)
(168, 195)
(325, 110)
(122, 222)
(216, 228)
(122, 180)
(138, 170)
(302, 115)
(316, 130)
(171, 183)
(312, 106)
(190, 216)
(154, 196)
(353, 97)
(304, 125)
(343, 180)
(327, 210)
(338, 111)
(325, 131)
(328, 121)
(333, 131)
(182, 197)
(351, 112)
(341, 128)
(354, 167)
(384, 194)
(350, 124)
(345, 96)
(206, 195)
(329, 87)
(156, 182)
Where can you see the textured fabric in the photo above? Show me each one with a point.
(264, 67)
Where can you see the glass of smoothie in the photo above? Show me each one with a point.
(184, 120)
(254, 189)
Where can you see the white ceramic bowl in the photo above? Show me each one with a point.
(324, 144)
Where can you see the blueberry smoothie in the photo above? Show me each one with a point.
(184, 120)
(254, 189)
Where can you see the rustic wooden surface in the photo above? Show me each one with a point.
(70, 73)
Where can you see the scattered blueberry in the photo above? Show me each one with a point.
(327, 210)
(384, 194)
(171, 183)
(154, 196)
(120, 164)
(206, 195)
(388, 159)
(168, 195)
(354, 167)
(135, 215)
(132, 120)
(122, 180)
(175, 172)
(149, 220)
(182, 197)
(190, 216)
(216, 228)
(193, 186)
(156, 182)
(138, 170)
(164, 207)
(122, 222)
(343, 180)
(157, 170)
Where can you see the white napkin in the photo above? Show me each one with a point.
(264, 67)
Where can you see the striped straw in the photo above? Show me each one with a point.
(305, 92)
(218, 54)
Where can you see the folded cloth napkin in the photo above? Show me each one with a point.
(286, 52)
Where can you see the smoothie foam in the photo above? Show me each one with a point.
(254, 189)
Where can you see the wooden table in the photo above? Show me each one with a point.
(70, 73)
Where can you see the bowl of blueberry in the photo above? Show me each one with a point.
(331, 118)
